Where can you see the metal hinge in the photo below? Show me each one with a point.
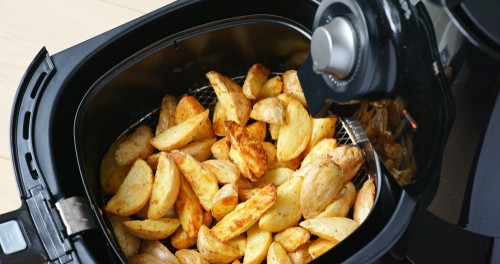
(76, 214)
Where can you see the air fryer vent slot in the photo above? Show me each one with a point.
(38, 84)
(26, 125)
(31, 166)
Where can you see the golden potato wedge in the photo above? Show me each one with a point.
(286, 98)
(225, 201)
(135, 146)
(188, 209)
(246, 194)
(291, 85)
(220, 149)
(236, 262)
(190, 256)
(274, 130)
(301, 255)
(339, 207)
(292, 238)
(322, 128)
(239, 243)
(272, 88)
(224, 171)
(243, 183)
(134, 192)
(324, 146)
(200, 150)
(320, 246)
(180, 135)
(180, 240)
(152, 161)
(290, 164)
(167, 114)
(201, 179)
(152, 229)
(112, 174)
(256, 78)
(213, 250)
(334, 229)
(165, 187)
(246, 152)
(270, 151)
(218, 120)
(277, 255)
(189, 107)
(143, 213)
(157, 249)
(245, 215)
(364, 202)
(146, 259)
(296, 133)
(128, 243)
(236, 106)
(270, 110)
(207, 219)
(285, 212)
(257, 130)
(350, 159)
(277, 177)
(258, 242)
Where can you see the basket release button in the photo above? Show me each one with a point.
(11, 238)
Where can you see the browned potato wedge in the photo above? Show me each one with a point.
(224, 171)
(292, 238)
(236, 262)
(218, 120)
(165, 187)
(274, 130)
(334, 229)
(272, 88)
(270, 151)
(157, 249)
(213, 250)
(246, 194)
(290, 164)
(270, 110)
(286, 98)
(320, 246)
(243, 183)
(257, 130)
(350, 159)
(301, 255)
(143, 213)
(167, 114)
(322, 128)
(188, 209)
(256, 78)
(201, 150)
(324, 146)
(277, 255)
(245, 215)
(152, 161)
(190, 256)
(258, 242)
(201, 179)
(152, 229)
(134, 192)
(277, 177)
(285, 212)
(189, 107)
(180, 135)
(295, 134)
(364, 201)
(128, 243)
(239, 243)
(225, 201)
(207, 219)
(220, 149)
(291, 85)
(146, 259)
(321, 185)
(236, 106)
(112, 174)
(180, 240)
(135, 146)
(339, 207)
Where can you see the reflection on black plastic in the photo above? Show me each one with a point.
(38, 84)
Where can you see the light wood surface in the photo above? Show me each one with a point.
(28, 25)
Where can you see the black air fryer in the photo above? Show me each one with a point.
(442, 58)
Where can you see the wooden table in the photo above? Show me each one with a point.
(28, 25)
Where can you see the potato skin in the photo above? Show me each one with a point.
(152, 229)
(218, 120)
(334, 229)
(277, 255)
(270, 110)
(291, 85)
(224, 171)
(256, 78)
(340, 206)
(128, 243)
(135, 146)
(167, 114)
(189, 209)
(225, 201)
(190, 256)
(157, 249)
(213, 250)
(146, 259)
(350, 159)
(364, 201)
(295, 134)
(112, 174)
(200, 150)
(165, 187)
(301, 255)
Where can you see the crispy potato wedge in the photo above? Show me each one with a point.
(237, 106)
(152, 229)
(220, 149)
(180, 240)
(301, 255)
(190, 256)
(245, 215)
(128, 243)
(277, 255)
(135, 146)
(258, 242)
(200, 150)
(285, 212)
(257, 130)
(243, 183)
(218, 120)
(350, 159)
(180, 135)
(322, 128)
(286, 98)
(270, 151)
(320, 246)
(290, 164)
(274, 130)
(270, 110)
(272, 88)
(167, 114)
(152, 161)
(295, 134)
(189, 107)
(157, 249)
(246, 194)
(146, 259)
(324, 146)
(277, 177)
(213, 250)
(225, 201)
(291, 85)
(112, 174)
(256, 78)
(340, 206)
(201, 179)
(334, 229)
(165, 187)
(188, 209)
(134, 192)
(364, 202)
(239, 243)
(292, 238)
(225, 172)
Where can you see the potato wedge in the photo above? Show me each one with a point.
(243, 183)
(167, 114)
(171, 213)
(201, 179)
(274, 130)
(135, 146)
(277, 177)
(225, 201)
(320, 246)
(270, 151)
(180, 135)
(285, 212)
(213, 250)
(218, 120)
(200, 150)
(296, 133)
(207, 219)
(157, 249)
(339, 207)
(245, 215)
(188, 209)
(165, 187)
(334, 229)
(246, 194)
(220, 149)
(291, 85)
(350, 159)
(237, 106)
(272, 88)
(322, 128)
(239, 243)
(225, 172)
(152, 161)
(236, 262)
(290, 164)
(324, 146)
(364, 202)
(189, 107)
(270, 110)
(128, 243)
(301, 255)
(190, 256)
(152, 229)
(112, 174)
(277, 255)
(286, 98)
(258, 242)
(143, 213)
(134, 192)
(180, 240)
(257, 130)
(146, 259)
(292, 238)
(256, 78)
